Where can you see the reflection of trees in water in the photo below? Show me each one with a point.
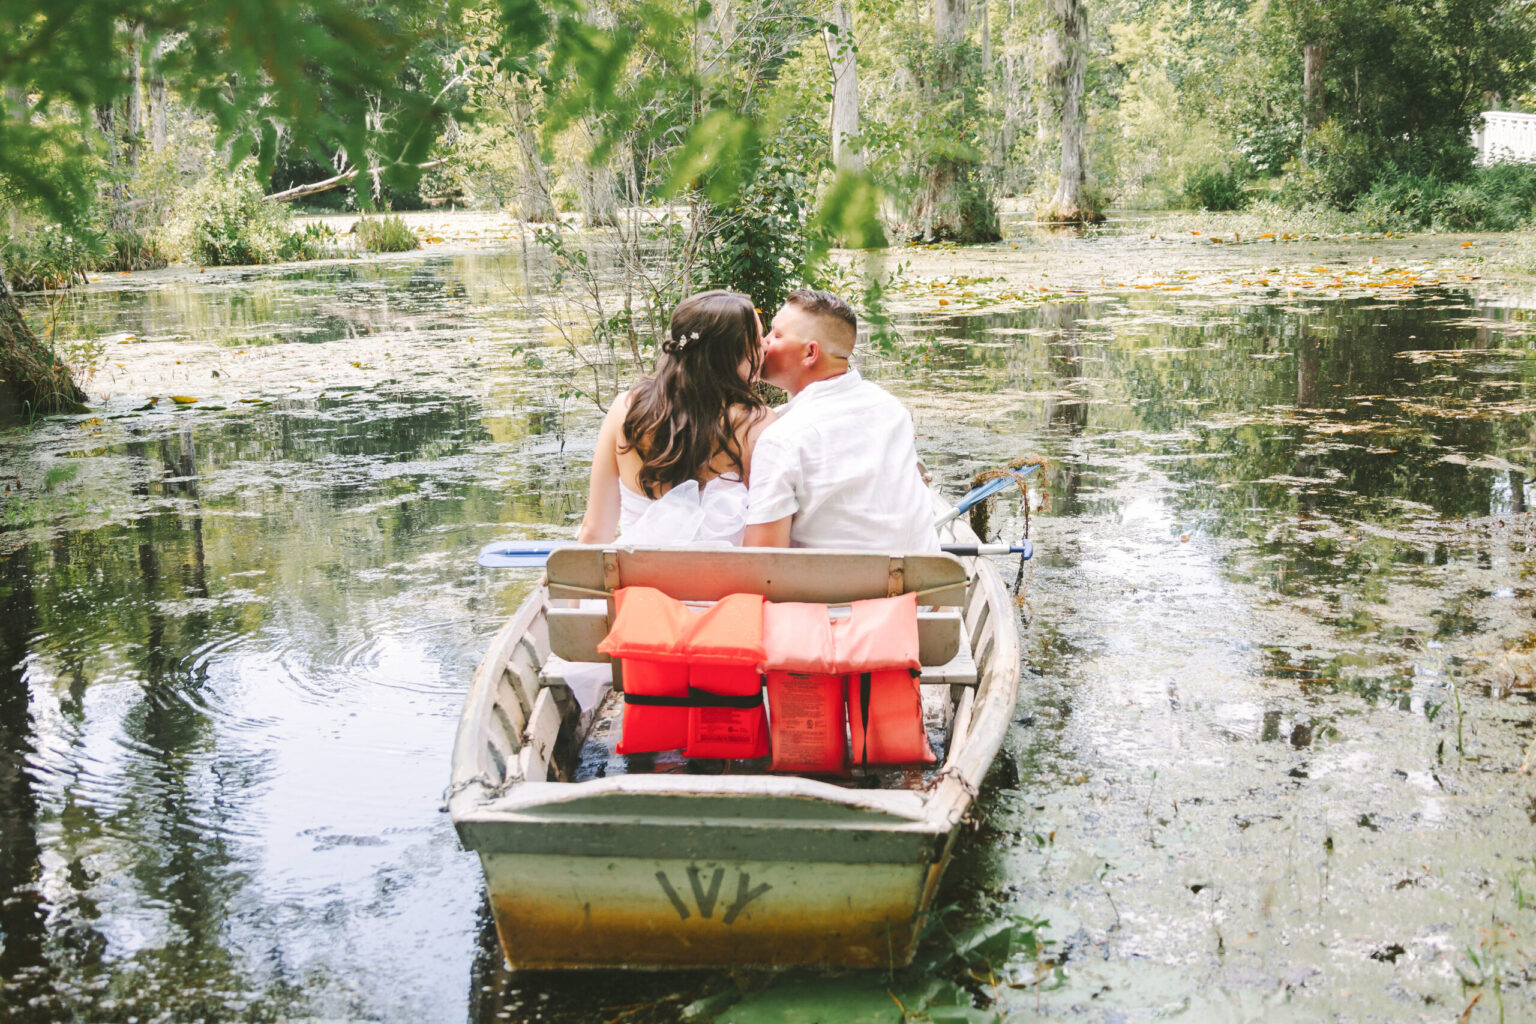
(1066, 408)
(163, 818)
(24, 972)
(1348, 369)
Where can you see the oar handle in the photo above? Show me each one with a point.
(1025, 548)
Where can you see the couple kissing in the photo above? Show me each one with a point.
(693, 455)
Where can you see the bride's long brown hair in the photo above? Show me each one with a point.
(679, 417)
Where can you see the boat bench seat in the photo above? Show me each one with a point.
(820, 576)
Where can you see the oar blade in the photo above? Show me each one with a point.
(518, 554)
(984, 491)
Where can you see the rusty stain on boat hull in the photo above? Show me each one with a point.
(565, 912)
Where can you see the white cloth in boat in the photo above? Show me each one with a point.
(842, 459)
(715, 513)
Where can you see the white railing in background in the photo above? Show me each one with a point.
(1506, 136)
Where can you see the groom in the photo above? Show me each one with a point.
(838, 468)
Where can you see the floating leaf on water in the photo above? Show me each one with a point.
(183, 399)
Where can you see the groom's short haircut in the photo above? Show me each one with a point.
(843, 325)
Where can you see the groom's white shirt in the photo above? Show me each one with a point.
(842, 459)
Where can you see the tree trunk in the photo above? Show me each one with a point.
(953, 203)
(986, 39)
(33, 381)
(133, 137)
(158, 134)
(119, 216)
(845, 89)
(597, 186)
(1070, 204)
(1314, 59)
(535, 203)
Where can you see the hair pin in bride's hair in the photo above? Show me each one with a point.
(681, 341)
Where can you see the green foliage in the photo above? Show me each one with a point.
(311, 242)
(1497, 198)
(1403, 83)
(385, 234)
(318, 72)
(58, 257)
(55, 257)
(225, 223)
(1335, 166)
(130, 250)
(1211, 188)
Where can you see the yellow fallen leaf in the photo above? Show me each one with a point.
(183, 399)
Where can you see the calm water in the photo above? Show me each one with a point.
(1285, 544)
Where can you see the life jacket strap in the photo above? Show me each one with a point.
(864, 716)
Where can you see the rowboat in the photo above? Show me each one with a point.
(596, 860)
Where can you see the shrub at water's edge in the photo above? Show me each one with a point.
(56, 257)
(1497, 198)
(1212, 188)
(385, 234)
(226, 224)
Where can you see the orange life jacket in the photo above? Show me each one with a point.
(885, 718)
(805, 690)
(880, 633)
(724, 647)
(877, 646)
(797, 637)
(648, 627)
(807, 720)
(691, 679)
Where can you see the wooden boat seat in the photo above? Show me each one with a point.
(825, 576)
(831, 577)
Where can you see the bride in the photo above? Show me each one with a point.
(674, 454)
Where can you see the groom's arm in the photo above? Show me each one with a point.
(771, 493)
(768, 535)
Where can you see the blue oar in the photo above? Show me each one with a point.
(983, 492)
(532, 554)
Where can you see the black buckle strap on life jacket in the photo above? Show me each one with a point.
(707, 699)
(864, 688)
(647, 700)
(696, 699)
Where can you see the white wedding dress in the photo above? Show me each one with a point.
(715, 513)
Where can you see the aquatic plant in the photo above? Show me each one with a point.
(130, 250)
(385, 234)
(313, 241)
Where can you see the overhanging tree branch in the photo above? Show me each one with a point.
(299, 191)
